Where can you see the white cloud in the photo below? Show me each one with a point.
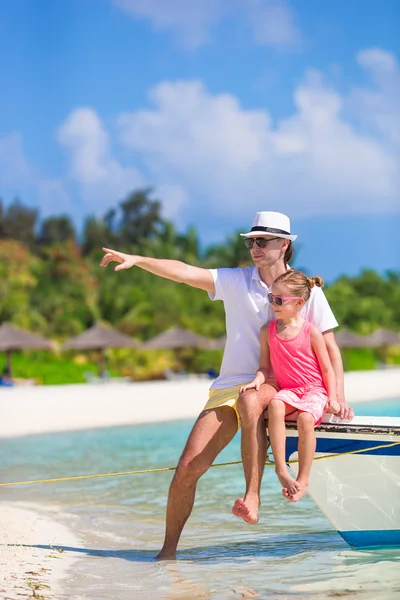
(174, 200)
(101, 178)
(272, 21)
(379, 108)
(83, 134)
(378, 60)
(192, 20)
(184, 122)
(274, 24)
(232, 159)
(210, 159)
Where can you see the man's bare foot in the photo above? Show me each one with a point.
(164, 555)
(246, 510)
(300, 493)
(289, 485)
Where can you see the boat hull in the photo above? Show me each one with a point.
(355, 480)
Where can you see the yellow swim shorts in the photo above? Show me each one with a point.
(229, 397)
(225, 397)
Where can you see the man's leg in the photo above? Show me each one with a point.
(213, 430)
(251, 406)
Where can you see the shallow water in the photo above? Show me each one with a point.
(292, 553)
(381, 408)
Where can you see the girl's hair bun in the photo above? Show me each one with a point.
(318, 281)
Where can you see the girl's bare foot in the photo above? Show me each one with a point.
(302, 491)
(289, 485)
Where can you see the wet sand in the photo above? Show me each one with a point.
(30, 563)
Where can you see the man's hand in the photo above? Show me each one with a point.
(346, 412)
(126, 261)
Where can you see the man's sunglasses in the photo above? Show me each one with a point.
(260, 241)
(279, 300)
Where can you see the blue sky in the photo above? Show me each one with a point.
(225, 107)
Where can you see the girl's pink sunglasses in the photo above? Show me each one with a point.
(279, 300)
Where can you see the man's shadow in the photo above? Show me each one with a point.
(283, 546)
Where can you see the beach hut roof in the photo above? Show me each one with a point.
(382, 337)
(176, 338)
(349, 339)
(100, 337)
(14, 338)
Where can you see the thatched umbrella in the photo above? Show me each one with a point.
(13, 339)
(348, 339)
(177, 338)
(99, 338)
(382, 338)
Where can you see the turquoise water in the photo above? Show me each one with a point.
(383, 408)
(292, 553)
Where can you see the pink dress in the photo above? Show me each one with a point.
(297, 371)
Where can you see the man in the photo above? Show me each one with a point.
(244, 293)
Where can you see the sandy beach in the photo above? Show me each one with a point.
(46, 409)
(30, 565)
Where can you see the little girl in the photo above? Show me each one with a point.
(297, 352)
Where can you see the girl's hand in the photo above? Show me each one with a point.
(332, 406)
(249, 386)
(126, 261)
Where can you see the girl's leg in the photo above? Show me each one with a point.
(306, 450)
(251, 406)
(277, 410)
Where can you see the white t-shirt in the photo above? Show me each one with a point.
(247, 308)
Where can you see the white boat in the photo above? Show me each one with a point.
(355, 480)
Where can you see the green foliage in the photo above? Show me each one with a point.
(67, 290)
(18, 222)
(366, 302)
(17, 280)
(359, 359)
(52, 284)
(392, 355)
(50, 369)
(96, 234)
(56, 229)
(231, 254)
(204, 360)
(140, 219)
(140, 365)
